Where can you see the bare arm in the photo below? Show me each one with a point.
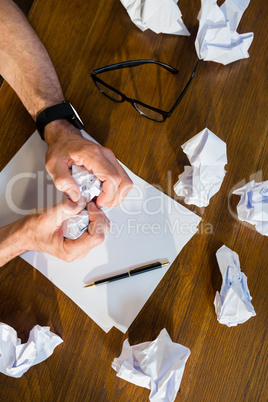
(12, 240)
(24, 62)
(42, 231)
(26, 66)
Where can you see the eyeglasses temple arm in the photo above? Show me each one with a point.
(135, 63)
(185, 89)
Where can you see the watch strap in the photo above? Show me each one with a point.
(60, 111)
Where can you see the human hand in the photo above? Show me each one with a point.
(66, 147)
(44, 230)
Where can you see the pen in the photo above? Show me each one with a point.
(132, 272)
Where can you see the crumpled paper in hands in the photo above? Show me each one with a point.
(16, 359)
(75, 226)
(233, 303)
(217, 39)
(200, 181)
(253, 205)
(157, 365)
(161, 16)
(90, 186)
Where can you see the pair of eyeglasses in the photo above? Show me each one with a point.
(117, 96)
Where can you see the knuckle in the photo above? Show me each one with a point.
(96, 149)
(109, 153)
(100, 238)
(117, 178)
(68, 257)
(129, 183)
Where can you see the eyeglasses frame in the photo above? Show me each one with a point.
(135, 63)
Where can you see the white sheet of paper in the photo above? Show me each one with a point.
(233, 303)
(148, 226)
(161, 16)
(253, 205)
(200, 181)
(217, 39)
(157, 365)
(17, 358)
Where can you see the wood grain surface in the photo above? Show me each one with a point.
(226, 364)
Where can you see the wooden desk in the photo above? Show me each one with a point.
(226, 364)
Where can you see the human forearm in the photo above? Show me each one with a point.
(42, 231)
(24, 62)
(15, 239)
(26, 66)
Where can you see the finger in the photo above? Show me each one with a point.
(119, 197)
(64, 181)
(65, 210)
(109, 191)
(98, 227)
(123, 189)
(103, 163)
(102, 166)
(80, 247)
(99, 223)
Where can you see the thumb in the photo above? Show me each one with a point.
(64, 182)
(67, 209)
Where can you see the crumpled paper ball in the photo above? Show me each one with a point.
(90, 187)
(75, 226)
(157, 365)
(200, 181)
(17, 358)
(253, 205)
(161, 16)
(233, 303)
(217, 39)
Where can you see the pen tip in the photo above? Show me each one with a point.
(89, 284)
(165, 263)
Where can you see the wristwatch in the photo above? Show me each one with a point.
(63, 110)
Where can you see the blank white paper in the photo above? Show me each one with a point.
(148, 226)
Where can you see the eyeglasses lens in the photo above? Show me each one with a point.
(109, 92)
(151, 114)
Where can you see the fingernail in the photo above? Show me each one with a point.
(82, 202)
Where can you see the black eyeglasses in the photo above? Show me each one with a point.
(145, 110)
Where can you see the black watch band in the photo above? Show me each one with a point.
(63, 110)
